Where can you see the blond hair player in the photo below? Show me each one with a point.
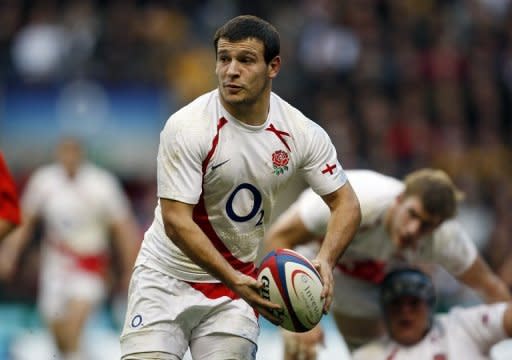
(408, 221)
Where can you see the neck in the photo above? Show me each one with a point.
(250, 113)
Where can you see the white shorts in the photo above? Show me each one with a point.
(164, 314)
(60, 281)
(355, 297)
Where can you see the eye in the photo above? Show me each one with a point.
(223, 58)
(412, 214)
(247, 60)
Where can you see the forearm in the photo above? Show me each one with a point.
(485, 282)
(338, 237)
(194, 243)
(11, 247)
(342, 227)
(17, 240)
(507, 320)
(5, 228)
(126, 241)
(495, 290)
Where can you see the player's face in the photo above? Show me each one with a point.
(408, 320)
(69, 154)
(410, 222)
(243, 75)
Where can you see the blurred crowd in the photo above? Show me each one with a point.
(398, 84)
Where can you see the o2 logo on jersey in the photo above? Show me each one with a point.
(136, 321)
(255, 211)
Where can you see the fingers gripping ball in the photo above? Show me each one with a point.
(291, 280)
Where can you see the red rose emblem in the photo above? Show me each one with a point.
(280, 158)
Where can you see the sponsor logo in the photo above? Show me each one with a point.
(136, 321)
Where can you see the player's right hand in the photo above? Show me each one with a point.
(249, 289)
(302, 346)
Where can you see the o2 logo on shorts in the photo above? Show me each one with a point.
(255, 211)
(136, 321)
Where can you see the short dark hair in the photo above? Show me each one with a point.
(248, 26)
(407, 281)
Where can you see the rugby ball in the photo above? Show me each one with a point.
(290, 280)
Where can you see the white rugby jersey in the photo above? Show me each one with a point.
(463, 333)
(372, 252)
(76, 211)
(232, 172)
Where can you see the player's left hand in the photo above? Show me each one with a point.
(325, 270)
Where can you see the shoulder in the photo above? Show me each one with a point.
(449, 228)
(483, 312)
(199, 105)
(98, 173)
(369, 181)
(193, 118)
(374, 191)
(450, 234)
(480, 320)
(46, 173)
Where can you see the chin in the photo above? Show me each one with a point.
(233, 99)
(407, 341)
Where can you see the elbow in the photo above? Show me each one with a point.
(171, 231)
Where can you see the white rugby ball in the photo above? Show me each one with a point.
(290, 280)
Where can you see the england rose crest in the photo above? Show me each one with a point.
(280, 161)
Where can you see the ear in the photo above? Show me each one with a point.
(274, 66)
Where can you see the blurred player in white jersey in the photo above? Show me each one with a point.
(407, 299)
(81, 207)
(402, 222)
(9, 203)
(222, 159)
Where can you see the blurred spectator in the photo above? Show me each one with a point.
(41, 49)
(80, 207)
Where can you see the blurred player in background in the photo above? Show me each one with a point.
(402, 222)
(221, 161)
(9, 205)
(407, 299)
(81, 207)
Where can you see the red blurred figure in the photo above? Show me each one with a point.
(9, 205)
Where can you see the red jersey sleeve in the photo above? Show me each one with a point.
(9, 204)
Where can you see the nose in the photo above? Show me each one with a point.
(413, 228)
(233, 68)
